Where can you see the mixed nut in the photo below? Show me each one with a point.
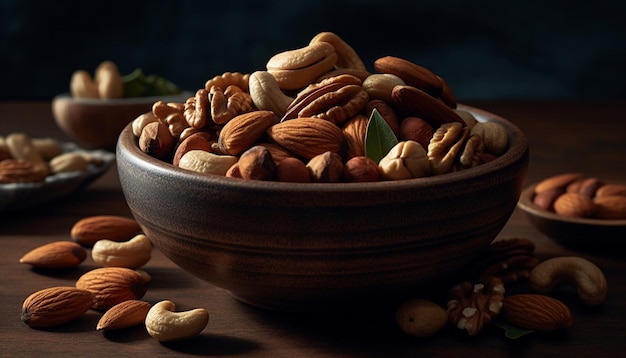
(315, 101)
(578, 196)
(479, 300)
(116, 288)
(29, 160)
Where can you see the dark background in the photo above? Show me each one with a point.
(484, 49)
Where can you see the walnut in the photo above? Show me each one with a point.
(471, 306)
(445, 146)
(226, 79)
(229, 103)
(509, 260)
(197, 108)
(171, 115)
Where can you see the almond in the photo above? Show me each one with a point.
(536, 312)
(59, 254)
(116, 228)
(55, 306)
(611, 189)
(112, 285)
(124, 314)
(560, 181)
(354, 131)
(574, 205)
(610, 207)
(411, 73)
(410, 101)
(307, 136)
(241, 132)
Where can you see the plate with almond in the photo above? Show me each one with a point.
(577, 209)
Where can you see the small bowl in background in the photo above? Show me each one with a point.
(582, 233)
(97, 123)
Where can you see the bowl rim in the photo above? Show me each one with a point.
(525, 203)
(66, 96)
(518, 148)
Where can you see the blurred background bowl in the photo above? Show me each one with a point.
(582, 233)
(307, 247)
(97, 123)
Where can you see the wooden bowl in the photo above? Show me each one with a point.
(308, 247)
(97, 123)
(588, 234)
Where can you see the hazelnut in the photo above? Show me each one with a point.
(325, 168)
(405, 160)
(156, 140)
(292, 170)
(256, 163)
(360, 169)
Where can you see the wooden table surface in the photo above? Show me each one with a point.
(563, 136)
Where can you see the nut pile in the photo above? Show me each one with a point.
(476, 302)
(578, 196)
(116, 288)
(108, 83)
(312, 105)
(28, 160)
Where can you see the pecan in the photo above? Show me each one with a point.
(445, 146)
(21, 171)
(334, 99)
(509, 260)
(471, 306)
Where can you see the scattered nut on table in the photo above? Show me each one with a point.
(164, 324)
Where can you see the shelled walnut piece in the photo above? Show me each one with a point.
(321, 97)
(579, 196)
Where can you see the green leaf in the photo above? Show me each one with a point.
(510, 331)
(379, 138)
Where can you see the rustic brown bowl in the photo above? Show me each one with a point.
(581, 233)
(303, 247)
(97, 123)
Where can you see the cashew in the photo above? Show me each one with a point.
(202, 161)
(266, 94)
(109, 80)
(132, 254)
(588, 278)
(69, 162)
(163, 324)
(140, 122)
(82, 85)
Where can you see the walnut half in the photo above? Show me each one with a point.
(471, 306)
